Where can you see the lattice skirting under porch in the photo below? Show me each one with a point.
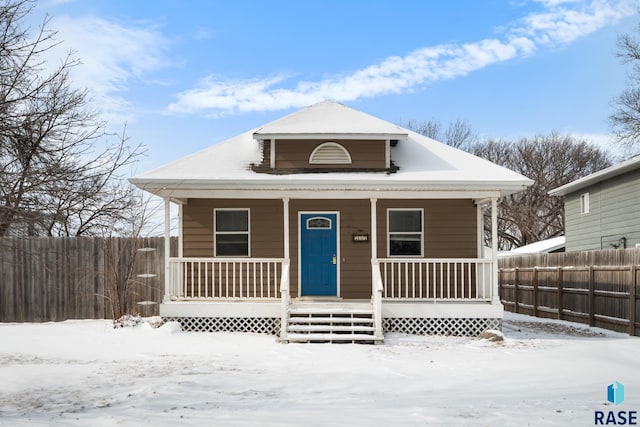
(458, 327)
(259, 325)
(271, 326)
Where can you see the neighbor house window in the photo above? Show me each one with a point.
(405, 232)
(584, 203)
(231, 232)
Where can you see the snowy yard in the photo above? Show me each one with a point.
(84, 373)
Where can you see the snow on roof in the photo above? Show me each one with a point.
(329, 118)
(594, 178)
(424, 163)
(541, 247)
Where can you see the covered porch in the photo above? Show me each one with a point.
(451, 296)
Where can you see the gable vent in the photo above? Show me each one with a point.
(330, 153)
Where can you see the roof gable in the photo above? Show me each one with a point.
(328, 119)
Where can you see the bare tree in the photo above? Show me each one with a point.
(625, 121)
(122, 252)
(550, 161)
(458, 133)
(59, 170)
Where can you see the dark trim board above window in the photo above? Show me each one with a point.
(231, 232)
(405, 232)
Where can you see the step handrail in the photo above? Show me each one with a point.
(376, 297)
(284, 300)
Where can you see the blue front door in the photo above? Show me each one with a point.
(318, 254)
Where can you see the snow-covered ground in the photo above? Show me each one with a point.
(84, 373)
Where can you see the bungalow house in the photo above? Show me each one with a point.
(602, 210)
(332, 225)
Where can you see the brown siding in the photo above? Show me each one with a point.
(449, 227)
(450, 232)
(294, 154)
(266, 226)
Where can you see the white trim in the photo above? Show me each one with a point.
(221, 309)
(167, 249)
(180, 231)
(344, 135)
(374, 228)
(272, 154)
(248, 232)
(494, 249)
(479, 230)
(285, 210)
(442, 310)
(421, 233)
(387, 153)
(340, 156)
(337, 227)
(404, 309)
(330, 193)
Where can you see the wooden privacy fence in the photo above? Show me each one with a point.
(59, 278)
(599, 288)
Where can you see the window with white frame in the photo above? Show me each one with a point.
(584, 203)
(405, 232)
(231, 232)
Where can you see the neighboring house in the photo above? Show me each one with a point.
(602, 210)
(547, 246)
(332, 225)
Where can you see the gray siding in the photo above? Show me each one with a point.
(614, 213)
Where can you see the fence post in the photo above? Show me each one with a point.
(535, 291)
(632, 301)
(515, 290)
(560, 286)
(592, 298)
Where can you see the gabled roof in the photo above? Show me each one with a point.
(424, 164)
(610, 172)
(328, 119)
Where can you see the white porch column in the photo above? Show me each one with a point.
(180, 232)
(494, 249)
(374, 229)
(285, 216)
(479, 229)
(167, 249)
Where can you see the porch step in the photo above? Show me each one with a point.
(331, 322)
(334, 328)
(337, 319)
(333, 338)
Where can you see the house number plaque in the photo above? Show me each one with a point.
(360, 237)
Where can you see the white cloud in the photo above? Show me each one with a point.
(560, 23)
(111, 55)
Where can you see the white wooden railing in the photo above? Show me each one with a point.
(437, 279)
(377, 288)
(226, 278)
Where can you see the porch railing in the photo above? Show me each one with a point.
(225, 278)
(436, 279)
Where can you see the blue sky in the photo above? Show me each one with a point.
(185, 75)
